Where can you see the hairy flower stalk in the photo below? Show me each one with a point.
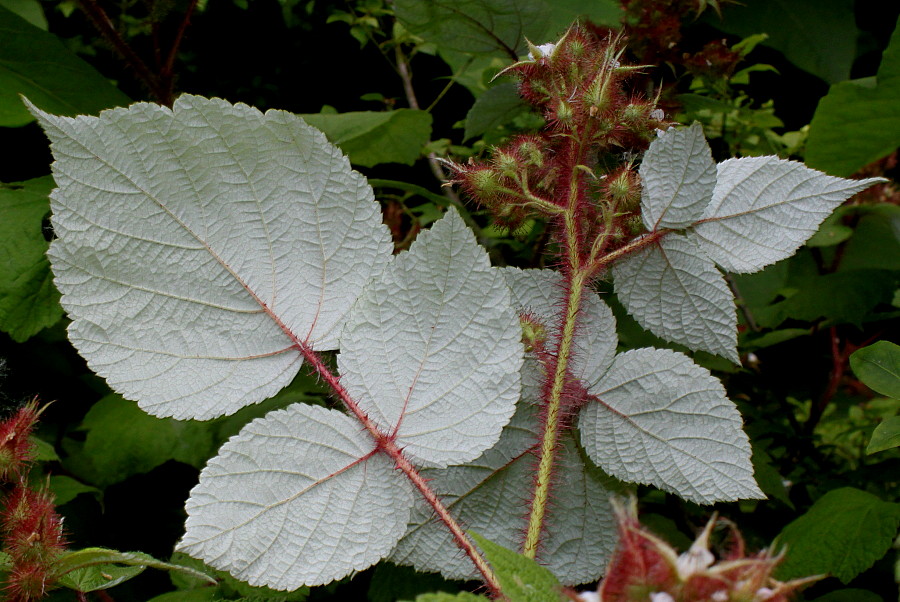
(574, 175)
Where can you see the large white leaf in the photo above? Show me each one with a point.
(540, 293)
(432, 349)
(490, 496)
(662, 420)
(764, 208)
(298, 497)
(673, 290)
(678, 175)
(198, 245)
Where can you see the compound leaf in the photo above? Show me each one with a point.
(764, 208)
(432, 349)
(299, 497)
(678, 175)
(673, 290)
(198, 246)
(662, 420)
(843, 533)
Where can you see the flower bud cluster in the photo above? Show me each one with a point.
(32, 531)
(644, 567)
(580, 164)
(578, 85)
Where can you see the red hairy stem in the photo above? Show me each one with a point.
(387, 445)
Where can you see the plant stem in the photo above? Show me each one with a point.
(101, 21)
(387, 445)
(553, 407)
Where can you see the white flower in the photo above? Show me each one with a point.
(763, 593)
(696, 559)
(720, 596)
(661, 597)
(539, 52)
(588, 596)
(657, 114)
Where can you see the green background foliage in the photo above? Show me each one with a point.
(393, 84)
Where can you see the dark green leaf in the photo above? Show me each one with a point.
(494, 108)
(843, 534)
(521, 579)
(850, 595)
(878, 366)
(768, 477)
(819, 37)
(875, 243)
(43, 451)
(66, 489)
(857, 123)
(391, 582)
(195, 595)
(498, 26)
(842, 297)
(445, 597)
(36, 64)
(30, 10)
(369, 138)
(229, 587)
(123, 440)
(885, 436)
(28, 300)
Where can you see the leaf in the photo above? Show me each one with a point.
(675, 292)
(36, 64)
(199, 246)
(28, 300)
(445, 597)
(843, 533)
(30, 10)
(521, 579)
(196, 595)
(299, 497)
(228, 587)
(391, 582)
(491, 26)
(819, 37)
(432, 349)
(42, 450)
(123, 441)
(488, 496)
(878, 366)
(841, 297)
(370, 138)
(857, 123)
(92, 569)
(495, 107)
(885, 436)
(764, 208)
(662, 420)
(66, 489)
(678, 175)
(850, 595)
